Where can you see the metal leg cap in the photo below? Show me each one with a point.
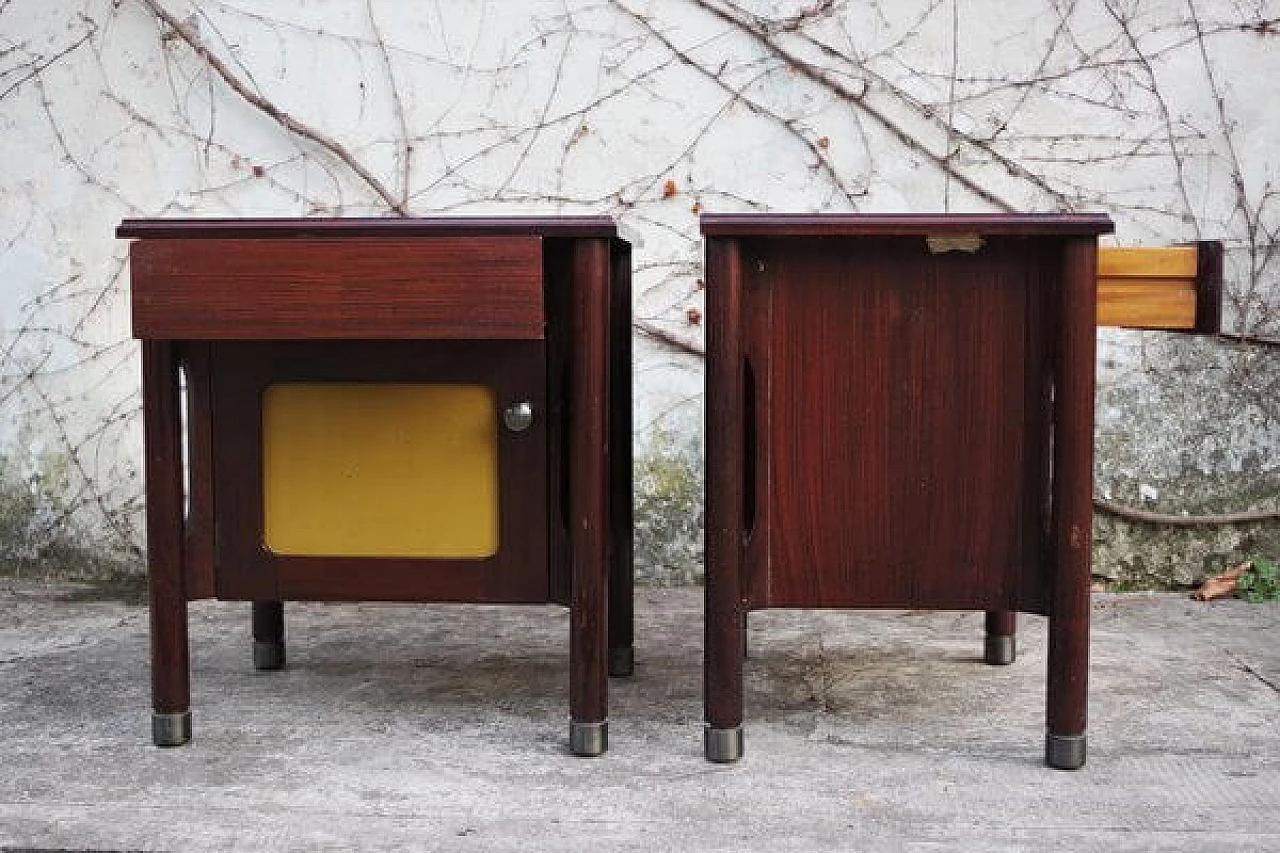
(1001, 651)
(722, 745)
(268, 654)
(622, 662)
(1064, 752)
(588, 739)
(172, 729)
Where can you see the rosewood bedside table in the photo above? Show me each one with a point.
(387, 410)
(900, 415)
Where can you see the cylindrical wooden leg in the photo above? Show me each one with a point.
(1001, 644)
(589, 501)
(1072, 511)
(621, 562)
(723, 644)
(162, 427)
(1068, 688)
(723, 740)
(268, 635)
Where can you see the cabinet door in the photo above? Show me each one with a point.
(381, 470)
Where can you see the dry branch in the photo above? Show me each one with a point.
(824, 78)
(406, 146)
(271, 110)
(1175, 520)
(660, 334)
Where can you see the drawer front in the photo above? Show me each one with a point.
(447, 288)
(381, 470)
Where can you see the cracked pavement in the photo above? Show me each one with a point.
(443, 727)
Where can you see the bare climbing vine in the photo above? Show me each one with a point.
(651, 110)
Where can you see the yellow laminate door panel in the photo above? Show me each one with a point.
(380, 470)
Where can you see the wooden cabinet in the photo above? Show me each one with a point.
(387, 410)
(900, 414)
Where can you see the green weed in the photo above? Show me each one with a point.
(1260, 582)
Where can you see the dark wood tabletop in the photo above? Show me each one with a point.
(900, 224)
(426, 226)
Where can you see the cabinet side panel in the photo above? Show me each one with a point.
(901, 422)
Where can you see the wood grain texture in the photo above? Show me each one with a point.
(360, 288)
(589, 483)
(1147, 262)
(621, 544)
(1147, 287)
(170, 668)
(758, 416)
(1072, 529)
(1174, 288)
(889, 425)
(356, 227)
(899, 224)
(558, 276)
(517, 573)
(1209, 287)
(724, 501)
(251, 302)
(1147, 303)
(906, 442)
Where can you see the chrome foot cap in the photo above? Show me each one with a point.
(622, 662)
(172, 729)
(588, 739)
(1064, 752)
(268, 655)
(723, 745)
(1001, 651)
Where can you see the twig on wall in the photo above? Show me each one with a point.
(671, 339)
(1174, 520)
(406, 140)
(821, 76)
(268, 108)
(738, 95)
(39, 64)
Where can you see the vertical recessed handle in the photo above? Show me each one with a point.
(749, 447)
(518, 416)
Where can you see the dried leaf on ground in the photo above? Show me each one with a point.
(1222, 585)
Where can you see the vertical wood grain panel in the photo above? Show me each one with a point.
(621, 559)
(1072, 493)
(907, 451)
(170, 680)
(722, 664)
(588, 483)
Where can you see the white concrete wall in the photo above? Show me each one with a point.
(1160, 113)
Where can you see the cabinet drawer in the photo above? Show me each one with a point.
(444, 288)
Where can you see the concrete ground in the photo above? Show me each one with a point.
(437, 727)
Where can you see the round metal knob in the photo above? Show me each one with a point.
(518, 417)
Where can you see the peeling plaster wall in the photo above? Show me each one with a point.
(1160, 113)
(1181, 428)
